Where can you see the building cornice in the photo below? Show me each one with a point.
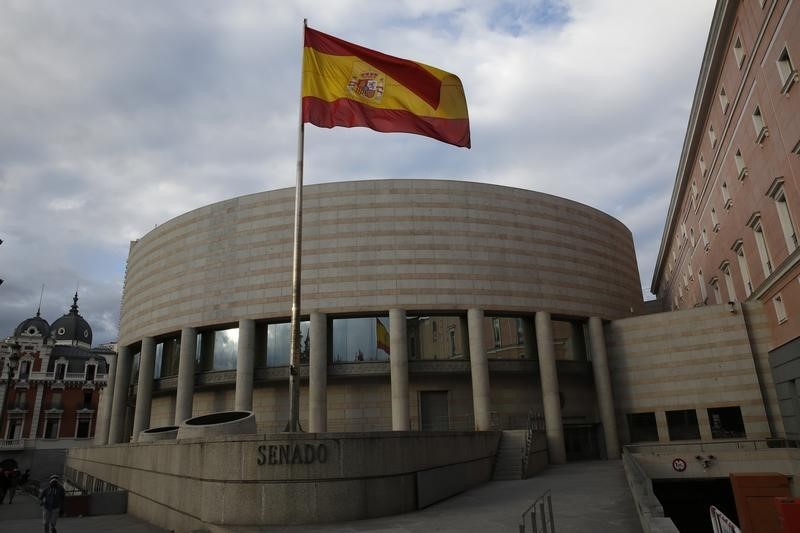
(713, 61)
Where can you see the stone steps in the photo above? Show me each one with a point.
(508, 463)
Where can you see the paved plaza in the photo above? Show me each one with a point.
(587, 496)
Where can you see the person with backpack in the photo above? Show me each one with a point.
(51, 500)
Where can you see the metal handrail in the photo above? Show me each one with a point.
(544, 517)
(721, 523)
(743, 444)
(535, 423)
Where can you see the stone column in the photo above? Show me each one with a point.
(479, 366)
(185, 394)
(318, 374)
(245, 360)
(602, 386)
(703, 425)
(144, 390)
(119, 403)
(551, 400)
(104, 409)
(398, 364)
(662, 426)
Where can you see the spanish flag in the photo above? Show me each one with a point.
(381, 336)
(348, 85)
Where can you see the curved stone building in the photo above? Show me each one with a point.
(472, 289)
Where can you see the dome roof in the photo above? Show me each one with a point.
(33, 327)
(72, 326)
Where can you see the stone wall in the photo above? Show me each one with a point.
(251, 480)
(371, 246)
(692, 359)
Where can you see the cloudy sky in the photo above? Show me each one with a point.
(117, 116)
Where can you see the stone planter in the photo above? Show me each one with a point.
(218, 425)
(159, 433)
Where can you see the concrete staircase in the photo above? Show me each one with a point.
(508, 463)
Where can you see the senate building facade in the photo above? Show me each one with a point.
(428, 305)
(438, 317)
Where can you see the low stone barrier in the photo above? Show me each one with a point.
(279, 479)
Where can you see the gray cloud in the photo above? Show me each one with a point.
(115, 117)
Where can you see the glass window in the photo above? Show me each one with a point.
(723, 100)
(569, 339)
(82, 431)
(726, 272)
(424, 344)
(504, 337)
(135, 368)
(758, 124)
(780, 309)
(279, 343)
(726, 423)
(786, 70)
(357, 340)
(226, 344)
(159, 358)
(738, 51)
(51, 428)
(167, 358)
(761, 244)
(777, 193)
(55, 401)
(741, 169)
(24, 370)
(642, 427)
(682, 425)
(738, 248)
(726, 196)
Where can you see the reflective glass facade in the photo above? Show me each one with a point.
(357, 340)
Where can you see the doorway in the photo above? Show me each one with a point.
(580, 441)
(433, 412)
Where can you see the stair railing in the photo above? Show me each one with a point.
(535, 423)
(541, 516)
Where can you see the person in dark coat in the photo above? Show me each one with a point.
(13, 483)
(5, 483)
(51, 499)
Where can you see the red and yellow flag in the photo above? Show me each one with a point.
(381, 336)
(348, 85)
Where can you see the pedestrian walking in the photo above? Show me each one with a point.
(14, 479)
(5, 483)
(51, 499)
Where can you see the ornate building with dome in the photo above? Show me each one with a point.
(51, 382)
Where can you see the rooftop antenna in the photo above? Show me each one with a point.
(41, 295)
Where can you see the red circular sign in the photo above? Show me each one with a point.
(679, 465)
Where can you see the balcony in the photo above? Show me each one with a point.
(12, 445)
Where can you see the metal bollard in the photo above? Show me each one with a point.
(552, 519)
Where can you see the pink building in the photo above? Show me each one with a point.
(732, 229)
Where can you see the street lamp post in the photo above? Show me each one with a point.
(11, 364)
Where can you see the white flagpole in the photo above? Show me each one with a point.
(294, 377)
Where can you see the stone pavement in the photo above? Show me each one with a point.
(25, 516)
(587, 497)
